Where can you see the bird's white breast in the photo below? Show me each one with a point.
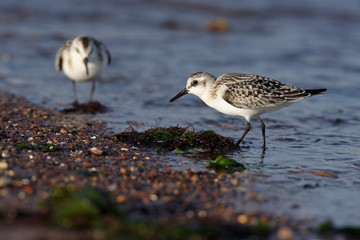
(74, 67)
(217, 102)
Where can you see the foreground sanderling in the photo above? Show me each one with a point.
(244, 95)
(82, 59)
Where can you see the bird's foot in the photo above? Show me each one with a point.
(75, 104)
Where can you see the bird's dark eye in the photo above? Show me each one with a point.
(195, 82)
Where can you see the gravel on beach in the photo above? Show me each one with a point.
(42, 150)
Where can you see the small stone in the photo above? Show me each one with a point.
(3, 165)
(96, 151)
(4, 181)
(194, 178)
(21, 195)
(218, 24)
(63, 131)
(234, 182)
(242, 219)
(112, 187)
(153, 197)
(190, 214)
(285, 233)
(25, 181)
(202, 214)
(87, 165)
(28, 189)
(71, 146)
(5, 154)
(120, 198)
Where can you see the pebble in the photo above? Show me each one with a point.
(63, 131)
(120, 198)
(5, 154)
(96, 151)
(190, 214)
(202, 214)
(218, 24)
(87, 165)
(153, 197)
(285, 233)
(3, 165)
(112, 187)
(4, 181)
(243, 219)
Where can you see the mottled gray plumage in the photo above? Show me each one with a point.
(244, 95)
(253, 91)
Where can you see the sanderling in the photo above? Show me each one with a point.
(82, 59)
(245, 95)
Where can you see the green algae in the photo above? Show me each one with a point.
(83, 208)
(180, 140)
(228, 165)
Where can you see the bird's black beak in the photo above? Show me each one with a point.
(180, 94)
(86, 60)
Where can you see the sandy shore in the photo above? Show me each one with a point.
(42, 150)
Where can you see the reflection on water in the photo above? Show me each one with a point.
(156, 45)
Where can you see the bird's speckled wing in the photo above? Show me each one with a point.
(253, 91)
(59, 55)
(102, 47)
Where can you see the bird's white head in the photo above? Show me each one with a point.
(197, 84)
(83, 46)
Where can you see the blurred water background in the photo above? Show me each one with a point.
(156, 45)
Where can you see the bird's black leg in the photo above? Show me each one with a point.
(262, 125)
(247, 129)
(75, 103)
(92, 89)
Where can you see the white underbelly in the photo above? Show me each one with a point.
(77, 71)
(222, 106)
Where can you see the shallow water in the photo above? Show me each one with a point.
(156, 45)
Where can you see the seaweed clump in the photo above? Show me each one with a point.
(226, 165)
(86, 207)
(86, 108)
(179, 139)
(44, 147)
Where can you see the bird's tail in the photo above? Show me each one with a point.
(314, 92)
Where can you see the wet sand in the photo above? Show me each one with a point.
(136, 179)
(42, 150)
